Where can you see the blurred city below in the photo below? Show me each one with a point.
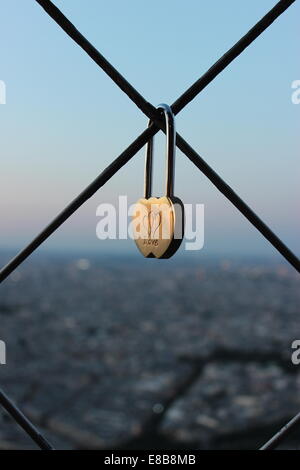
(123, 352)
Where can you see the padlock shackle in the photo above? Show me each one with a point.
(170, 154)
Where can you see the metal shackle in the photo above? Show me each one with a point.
(170, 154)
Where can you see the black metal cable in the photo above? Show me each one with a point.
(195, 89)
(24, 422)
(78, 201)
(121, 161)
(282, 434)
(139, 142)
(231, 54)
(228, 192)
(186, 97)
(149, 110)
(97, 57)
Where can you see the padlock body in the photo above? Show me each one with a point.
(158, 226)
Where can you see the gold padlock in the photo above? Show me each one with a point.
(158, 223)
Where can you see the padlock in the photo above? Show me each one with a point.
(158, 223)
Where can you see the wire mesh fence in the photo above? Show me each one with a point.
(157, 124)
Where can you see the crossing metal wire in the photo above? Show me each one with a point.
(158, 124)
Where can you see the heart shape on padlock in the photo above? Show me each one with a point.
(152, 222)
(157, 223)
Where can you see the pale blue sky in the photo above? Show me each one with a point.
(65, 120)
